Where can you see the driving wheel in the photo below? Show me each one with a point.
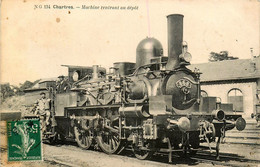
(108, 138)
(83, 138)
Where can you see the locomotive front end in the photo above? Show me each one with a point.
(184, 89)
(182, 119)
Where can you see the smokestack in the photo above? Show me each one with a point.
(175, 38)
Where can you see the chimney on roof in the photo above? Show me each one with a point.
(253, 63)
(252, 53)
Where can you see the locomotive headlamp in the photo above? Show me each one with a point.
(186, 57)
(75, 76)
(218, 114)
(184, 44)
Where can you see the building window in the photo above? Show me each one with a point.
(235, 96)
(203, 93)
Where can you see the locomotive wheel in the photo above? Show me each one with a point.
(82, 138)
(108, 140)
(142, 154)
(49, 134)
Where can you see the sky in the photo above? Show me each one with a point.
(36, 40)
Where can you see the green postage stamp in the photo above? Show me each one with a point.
(24, 140)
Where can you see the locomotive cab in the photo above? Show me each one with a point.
(77, 73)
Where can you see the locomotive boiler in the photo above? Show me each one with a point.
(151, 106)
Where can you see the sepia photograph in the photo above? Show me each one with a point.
(101, 83)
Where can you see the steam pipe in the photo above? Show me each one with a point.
(175, 38)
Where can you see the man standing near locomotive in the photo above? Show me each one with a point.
(62, 84)
(43, 106)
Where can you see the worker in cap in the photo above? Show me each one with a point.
(43, 106)
(61, 84)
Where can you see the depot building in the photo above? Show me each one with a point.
(233, 81)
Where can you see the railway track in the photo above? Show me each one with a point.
(202, 158)
(205, 158)
(56, 162)
(69, 154)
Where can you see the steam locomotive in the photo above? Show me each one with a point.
(151, 106)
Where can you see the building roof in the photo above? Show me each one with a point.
(229, 70)
(48, 80)
(37, 86)
(34, 89)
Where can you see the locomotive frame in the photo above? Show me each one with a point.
(151, 106)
